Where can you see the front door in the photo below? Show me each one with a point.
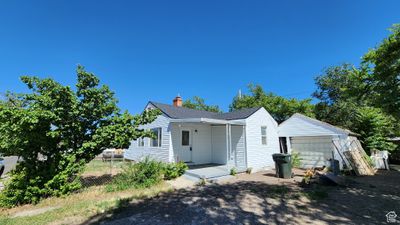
(186, 145)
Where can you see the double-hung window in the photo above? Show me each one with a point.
(156, 141)
(264, 135)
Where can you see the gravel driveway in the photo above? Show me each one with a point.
(261, 198)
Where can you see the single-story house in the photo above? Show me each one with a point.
(315, 141)
(242, 139)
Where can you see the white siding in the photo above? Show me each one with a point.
(312, 139)
(238, 145)
(219, 154)
(201, 142)
(300, 127)
(313, 151)
(258, 155)
(160, 153)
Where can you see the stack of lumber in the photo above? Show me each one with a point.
(359, 159)
(356, 157)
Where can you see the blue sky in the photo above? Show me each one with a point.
(152, 50)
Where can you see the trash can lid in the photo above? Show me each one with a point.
(280, 155)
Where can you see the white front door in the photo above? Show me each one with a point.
(186, 145)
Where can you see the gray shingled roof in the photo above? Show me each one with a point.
(238, 114)
(185, 113)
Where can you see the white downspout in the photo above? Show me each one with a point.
(233, 155)
(245, 146)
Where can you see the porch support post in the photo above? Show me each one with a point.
(230, 145)
(228, 155)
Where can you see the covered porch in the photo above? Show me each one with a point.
(216, 145)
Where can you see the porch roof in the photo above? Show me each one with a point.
(208, 120)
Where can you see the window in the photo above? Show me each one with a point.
(140, 142)
(156, 142)
(264, 135)
(185, 138)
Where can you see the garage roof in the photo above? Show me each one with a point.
(300, 125)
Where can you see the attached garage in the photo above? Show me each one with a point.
(312, 140)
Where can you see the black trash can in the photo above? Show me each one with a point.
(283, 165)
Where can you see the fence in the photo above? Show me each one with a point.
(101, 171)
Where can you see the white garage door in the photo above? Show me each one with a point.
(313, 151)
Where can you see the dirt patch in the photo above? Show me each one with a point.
(34, 212)
(181, 183)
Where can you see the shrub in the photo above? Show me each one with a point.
(295, 160)
(174, 170)
(233, 171)
(26, 186)
(143, 174)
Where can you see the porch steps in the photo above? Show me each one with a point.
(208, 172)
(210, 180)
(211, 173)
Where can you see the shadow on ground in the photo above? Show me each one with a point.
(89, 181)
(365, 201)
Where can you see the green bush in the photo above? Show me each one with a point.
(143, 174)
(174, 170)
(26, 186)
(233, 171)
(295, 160)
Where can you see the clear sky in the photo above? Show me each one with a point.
(152, 50)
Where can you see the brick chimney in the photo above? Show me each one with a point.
(177, 102)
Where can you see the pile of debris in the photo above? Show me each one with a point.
(324, 176)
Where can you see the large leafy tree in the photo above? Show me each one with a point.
(56, 130)
(349, 98)
(384, 64)
(279, 107)
(374, 126)
(199, 104)
(340, 91)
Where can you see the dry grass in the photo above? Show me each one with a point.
(76, 208)
(79, 207)
(97, 167)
